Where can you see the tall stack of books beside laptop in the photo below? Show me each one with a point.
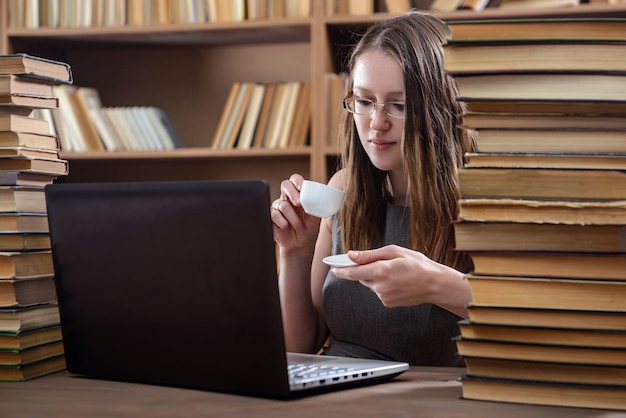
(543, 209)
(30, 334)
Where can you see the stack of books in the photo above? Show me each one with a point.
(543, 209)
(30, 335)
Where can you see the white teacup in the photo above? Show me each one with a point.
(319, 199)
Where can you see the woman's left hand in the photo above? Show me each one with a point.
(404, 277)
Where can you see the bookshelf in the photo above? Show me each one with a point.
(187, 71)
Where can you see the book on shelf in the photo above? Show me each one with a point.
(24, 86)
(475, 5)
(302, 120)
(37, 67)
(30, 355)
(335, 89)
(537, 264)
(23, 222)
(446, 6)
(29, 317)
(545, 393)
(163, 126)
(276, 116)
(224, 126)
(524, 119)
(534, 4)
(19, 178)
(251, 118)
(511, 236)
(22, 199)
(544, 371)
(560, 56)
(289, 113)
(26, 264)
(21, 373)
(82, 100)
(20, 123)
(20, 241)
(25, 139)
(544, 160)
(543, 335)
(401, 6)
(27, 292)
(293, 8)
(30, 338)
(555, 86)
(138, 133)
(548, 293)
(65, 121)
(543, 211)
(527, 29)
(360, 7)
(57, 167)
(542, 352)
(540, 183)
(566, 141)
(91, 102)
(264, 115)
(548, 317)
(117, 123)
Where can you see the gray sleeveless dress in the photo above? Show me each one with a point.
(361, 326)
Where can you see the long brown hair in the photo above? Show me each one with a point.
(433, 144)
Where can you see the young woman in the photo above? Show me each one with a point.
(401, 147)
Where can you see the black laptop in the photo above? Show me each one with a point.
(174, 283)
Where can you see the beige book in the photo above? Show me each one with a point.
(360, 7)
(226, 113)
(289, 113)
(82, 99)
(302, 120)
(233, 126)
(398, 6)
(264, 115)
(251, 118)
(272, 133)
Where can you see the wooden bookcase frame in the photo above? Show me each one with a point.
(187, 70)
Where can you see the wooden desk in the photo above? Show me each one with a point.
(420, 392)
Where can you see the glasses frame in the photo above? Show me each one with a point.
(350, 99)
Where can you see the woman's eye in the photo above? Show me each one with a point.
(397, 107)
(364, 102)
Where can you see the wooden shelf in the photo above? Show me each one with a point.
(190, 153)
(227, 33)
(187, 71)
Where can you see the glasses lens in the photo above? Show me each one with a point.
(395, 109)
(364, 106)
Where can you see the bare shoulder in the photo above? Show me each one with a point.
(338, 179)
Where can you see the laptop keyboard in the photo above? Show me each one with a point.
(310, 371)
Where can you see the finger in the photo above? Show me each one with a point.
(290, 191)
(369, 256)
(277, 203)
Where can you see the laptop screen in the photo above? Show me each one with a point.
(169, 283)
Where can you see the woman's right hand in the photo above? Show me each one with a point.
(293, 228)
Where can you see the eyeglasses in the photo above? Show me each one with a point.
(360, 106)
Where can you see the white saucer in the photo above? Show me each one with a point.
(339, 260)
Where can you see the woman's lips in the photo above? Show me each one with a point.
(381, 145)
